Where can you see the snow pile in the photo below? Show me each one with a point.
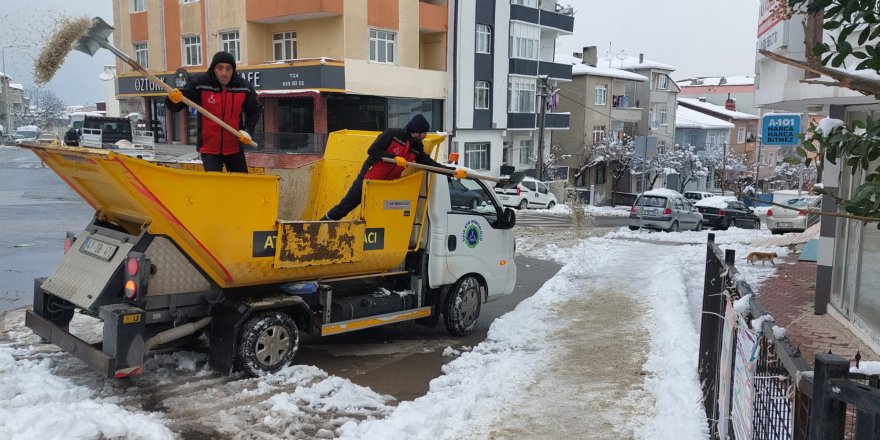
(556, 209)
(607, 211)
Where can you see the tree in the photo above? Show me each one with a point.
(852, 61)
(789, 174)
(620, 157)
(688, 163)
(661, 164)
(44, 107)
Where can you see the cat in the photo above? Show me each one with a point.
(762, 257)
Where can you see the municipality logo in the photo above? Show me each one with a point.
(472, 233)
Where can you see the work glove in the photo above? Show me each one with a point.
(401, 162)
(244, 137)
(460, 173)
(175, 96)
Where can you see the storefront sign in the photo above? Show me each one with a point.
(318, 76)
(772, 28)
(780, 129)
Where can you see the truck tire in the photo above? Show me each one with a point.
(267, 343)
(462, 306)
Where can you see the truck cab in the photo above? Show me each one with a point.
(165, 259)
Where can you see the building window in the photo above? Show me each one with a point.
(658, 114)
(741, 135)
(476, 155)
(382, 46)
(230, 42)
(521, 94)
(484, 39)
(141, 55)
(529, 3)
(192, 51)
(481, 95)
(601, 91)
(524, 41)
(598, 133)
(600, 173)
(284, 45)
(661, 81)
(138, 5)
(525, 151)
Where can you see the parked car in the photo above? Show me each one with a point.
(723, 212)
(780, 220)
(665, 210)
(695, 196)
(48, 138)
(529, 193)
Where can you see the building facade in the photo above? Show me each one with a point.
(659, 96)
(317, 65)
(499, 52)
(744, 133)
(847, 281)
(718, 89)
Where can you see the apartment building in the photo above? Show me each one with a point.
(500, 51)
(317, 65)
(718, 89)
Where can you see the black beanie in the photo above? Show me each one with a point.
(418, 124)
(222, 57)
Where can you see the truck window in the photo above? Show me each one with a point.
(468, 196)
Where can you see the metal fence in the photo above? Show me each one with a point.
(758, 386)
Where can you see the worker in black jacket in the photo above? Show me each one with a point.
(233, 100)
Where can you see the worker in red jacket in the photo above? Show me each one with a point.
(228, 96)
(401, 144)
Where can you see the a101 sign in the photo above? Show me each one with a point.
(780, 129)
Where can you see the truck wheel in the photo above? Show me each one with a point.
(462, 306)
(267, 343)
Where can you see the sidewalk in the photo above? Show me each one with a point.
(789, 297)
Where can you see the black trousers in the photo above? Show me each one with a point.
(350, 201)
(234, 163)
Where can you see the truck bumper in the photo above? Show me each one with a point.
(82, 350)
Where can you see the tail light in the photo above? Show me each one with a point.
(68, 241)
(136, 275)
(721, 212)
(802, 213)
(770, 213)
(633, 209)
(667, 211)
(517, 190)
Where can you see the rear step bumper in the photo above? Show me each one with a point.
(82, 350)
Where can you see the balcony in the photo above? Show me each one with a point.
(564, 24)
(529, 121)
(557, 71)
(277, 11)
(432, 18)
(557, 121)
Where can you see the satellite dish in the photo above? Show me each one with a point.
(105, 76)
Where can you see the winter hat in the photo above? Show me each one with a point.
(222, 57)
(418, 124)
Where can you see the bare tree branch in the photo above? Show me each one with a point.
(863, 85)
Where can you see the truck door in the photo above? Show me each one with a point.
(474, 242)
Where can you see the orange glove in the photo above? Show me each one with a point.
(244, 137)
(401, 162)
(460, 173)
(175, 96)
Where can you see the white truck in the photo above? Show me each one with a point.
(174, 252)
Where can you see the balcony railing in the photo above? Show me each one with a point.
(557, 120)
(272, 10)
(623, 101)
(520, 66)
(540, 17)
(530, 121)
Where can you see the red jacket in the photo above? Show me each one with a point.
(391, 143)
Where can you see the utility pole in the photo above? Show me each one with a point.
(723, 167)
(758, 165)
(7, 102)
(539, 164)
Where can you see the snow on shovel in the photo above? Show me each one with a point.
(88, 35)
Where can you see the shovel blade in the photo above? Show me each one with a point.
(95, 38)
(513, 180)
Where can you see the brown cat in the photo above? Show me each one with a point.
(762, 257)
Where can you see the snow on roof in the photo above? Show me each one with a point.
(630, 63)
(715, 201)
(16, 86)
(689, 118)
(663, 192)
(716, 108)
(714, 81)
(579, 68)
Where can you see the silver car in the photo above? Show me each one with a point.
(781, 220)
(664, 210)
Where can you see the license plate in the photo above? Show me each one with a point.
(783, 224)
(650, 211)
(98, 249)
(504, 198)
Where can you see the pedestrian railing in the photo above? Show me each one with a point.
(756, 384)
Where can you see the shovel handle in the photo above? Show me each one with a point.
(444, 170)
(136, 66)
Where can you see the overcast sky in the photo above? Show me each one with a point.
(697, 37)
(30, 23)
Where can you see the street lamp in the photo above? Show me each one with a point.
(6, 98)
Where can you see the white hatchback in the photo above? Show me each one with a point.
(529, 193)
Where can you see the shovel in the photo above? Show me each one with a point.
(514, 178)
(96, 38)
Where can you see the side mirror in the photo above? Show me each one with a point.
(508, 219)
